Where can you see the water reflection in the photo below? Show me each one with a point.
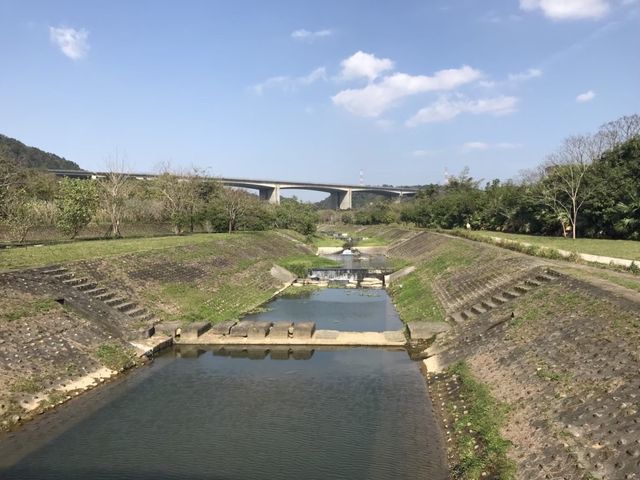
(343, 414)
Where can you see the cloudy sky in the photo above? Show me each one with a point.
(316, 91)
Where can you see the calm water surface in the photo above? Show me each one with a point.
(354, 310)
(344, 414)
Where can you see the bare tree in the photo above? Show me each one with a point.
(235, 204)
(620, 131)
(564, 186)
(114, 191)
(181, 194)
(8, 180)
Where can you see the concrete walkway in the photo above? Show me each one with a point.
(319, 338)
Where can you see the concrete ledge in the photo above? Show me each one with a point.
(258, 329)
(223, 328)
(194, 330)
(320, 338)
(280, 330)
(240, 329)
(426, 330)
(303, 330)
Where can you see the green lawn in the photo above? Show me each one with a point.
(628, 249)
(83, 249)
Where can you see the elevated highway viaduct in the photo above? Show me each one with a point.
(270, 190)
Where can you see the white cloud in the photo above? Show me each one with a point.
(446, 109)
(306, 35)
(523, 76)
(471, 146)
(568, 9)
(364, 65)
(475, 146)
(586, 96)
(376, 98)
(73, 43)
(288, 84)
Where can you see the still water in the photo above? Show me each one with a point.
(341, 414)
(354, 310)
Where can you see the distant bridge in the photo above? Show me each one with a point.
(269, 190)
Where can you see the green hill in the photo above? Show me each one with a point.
(17, 153)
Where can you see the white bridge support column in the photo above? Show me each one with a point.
(341, 199)
(271, 194)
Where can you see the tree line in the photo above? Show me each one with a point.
(186, 200)
(589, 186)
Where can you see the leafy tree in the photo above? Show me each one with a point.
(77, 201)
(298, 216)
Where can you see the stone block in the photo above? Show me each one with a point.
(304, 329)
(426, 330)
(258, 330)
(223, 328)
(194, 330)
(147, 331)
(168, 328)
(280, 330)
(240, 329)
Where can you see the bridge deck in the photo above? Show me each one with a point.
(319, 338)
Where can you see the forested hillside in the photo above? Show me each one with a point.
(16, 152)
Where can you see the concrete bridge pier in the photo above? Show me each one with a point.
(271, 194)
(341, 199)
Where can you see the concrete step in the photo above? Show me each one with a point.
(105, 296)
(85, 287)
(125, 306)
(498, 299)
(147, 317)
(458, 317)
(72, 282)
(532, 283)
(54, 270)
(137, 312)
(510, 294)
(63, 276)
(478, 309)
(522, 288)
(94, 292)
(543, 277)
(488, 304)
(115, 301)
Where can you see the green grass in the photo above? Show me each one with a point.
(28, 385)
(28, 309)
(114, 356)
(414, 296)
(479, 425)
(325, 241)
(299, 292)
(628, 249)
(83, 250)
(300, 264)
(621, 280)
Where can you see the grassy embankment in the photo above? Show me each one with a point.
(480, 449)
(627, 249)
(547, 247)
(414, 295)
(211, 277)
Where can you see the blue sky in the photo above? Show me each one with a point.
(316, 91)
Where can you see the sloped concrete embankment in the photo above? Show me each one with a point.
(561, 355)
(67, 328)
